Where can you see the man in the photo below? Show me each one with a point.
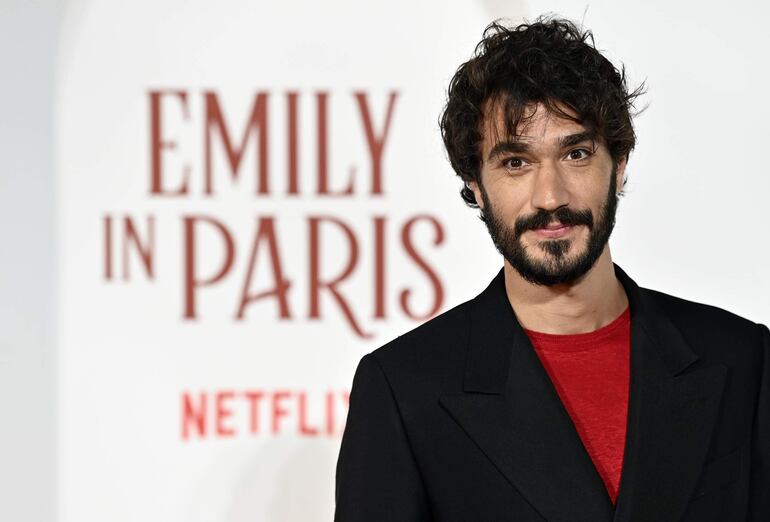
(563, 391)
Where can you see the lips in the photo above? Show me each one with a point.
(554, 230)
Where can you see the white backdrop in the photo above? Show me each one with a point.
(165, 417)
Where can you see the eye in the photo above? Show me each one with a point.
(579, 154)
(513, 163)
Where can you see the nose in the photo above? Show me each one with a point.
(550, 190)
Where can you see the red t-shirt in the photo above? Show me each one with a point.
(590, 372)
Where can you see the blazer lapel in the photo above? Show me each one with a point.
(673, 405)
(513, 413)
(510, 409)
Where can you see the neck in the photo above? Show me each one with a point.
(584, 305)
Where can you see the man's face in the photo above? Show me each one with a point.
(549, 198)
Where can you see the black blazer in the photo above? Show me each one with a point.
(457, 420)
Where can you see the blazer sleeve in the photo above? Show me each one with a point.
(759, 494)
(376, 477)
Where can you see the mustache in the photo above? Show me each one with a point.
(564, 215)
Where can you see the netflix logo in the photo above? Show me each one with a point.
(217, 163)
(225, 414)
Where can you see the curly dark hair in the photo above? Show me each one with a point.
(548, 61)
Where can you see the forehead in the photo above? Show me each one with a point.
(536, 123)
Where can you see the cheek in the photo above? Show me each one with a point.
(507, 196)
(507, 208)
(591, 193)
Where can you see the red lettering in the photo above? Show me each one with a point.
(108, 247)
(266, 232)
(193, 416)
(438, 292)
(191, 280)
(223, 413)
(316, 284)
(278, 410)
(375, 143)
(293, 125)
(230, 419)
(254, 397)
(330, 413)
(158, 144)
(146, 251)
(304, 429)
(379, 267)
(323, 146)
(257, 123)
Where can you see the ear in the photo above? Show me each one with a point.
(620, 172)
(477, 193)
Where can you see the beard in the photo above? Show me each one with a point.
(556, 268)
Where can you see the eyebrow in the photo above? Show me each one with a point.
(520, 146)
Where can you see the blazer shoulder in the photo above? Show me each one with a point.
(706, 324)
(435, 340)
(708, 314)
